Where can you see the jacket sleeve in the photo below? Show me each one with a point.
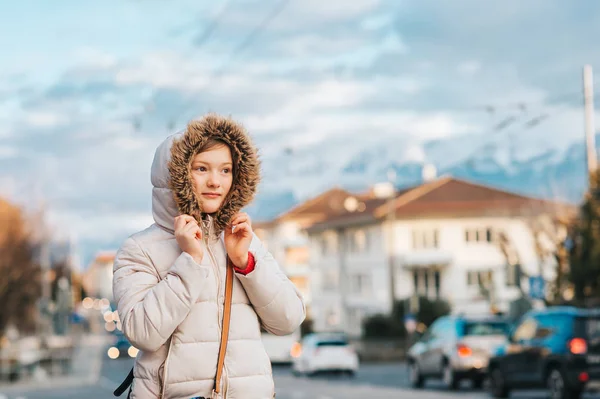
(277, 302)
(150, 309)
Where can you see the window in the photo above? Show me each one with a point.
(332, 318)
(330, 280)
(361, 284)
(441, 327)
(513, 275)
(437, 282)
(485, 328)
(480, 277)
(427, 282)
(424, 239)
(296, 256)
(525, 331)
(416, 281)
(358, 241)
(482, 234)
(355, 318)
(300, 282)
(328, 243)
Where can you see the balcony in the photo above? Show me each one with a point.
(425, 258)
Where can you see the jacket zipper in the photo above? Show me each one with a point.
(165, 370)
(206, 232)
(207, 224)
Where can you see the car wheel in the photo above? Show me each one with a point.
(415, 376)
(558, 386)
(449, 376)
(478, 382)
(498, 387)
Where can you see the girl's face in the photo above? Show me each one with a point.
(212, 176)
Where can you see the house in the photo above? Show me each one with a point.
(446, 238)
(287, 239)
(97, 278)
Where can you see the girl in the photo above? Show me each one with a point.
(169, 279)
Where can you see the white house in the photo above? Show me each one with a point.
(97, 278)
(450, 239)
(287, 239)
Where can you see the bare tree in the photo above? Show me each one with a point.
(20, 282)
(550, 232)
(548, 223)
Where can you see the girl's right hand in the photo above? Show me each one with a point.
(188, 235)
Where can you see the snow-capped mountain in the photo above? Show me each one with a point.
(536, 169)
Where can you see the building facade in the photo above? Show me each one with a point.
(471, 245)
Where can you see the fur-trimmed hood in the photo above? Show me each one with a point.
(173, 192)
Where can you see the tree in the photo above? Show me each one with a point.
(549, 223)
(383, 326)
(430, 310)
(550, 236)
(392, 325)
(20, 283)
(585, 249)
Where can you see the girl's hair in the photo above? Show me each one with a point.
(212, 143)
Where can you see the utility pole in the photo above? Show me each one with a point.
(391, 220)
(590, 129)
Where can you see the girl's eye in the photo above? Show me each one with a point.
(226, 170)
(201, 168)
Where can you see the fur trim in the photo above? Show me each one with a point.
(246, 178)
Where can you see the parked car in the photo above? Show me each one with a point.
(455, 348)
(280, 348)
(557, 348)
(321, 352)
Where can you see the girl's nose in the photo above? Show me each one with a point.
(213, 181)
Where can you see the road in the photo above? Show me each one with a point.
(372, 381)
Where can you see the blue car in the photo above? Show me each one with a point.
(557, 348)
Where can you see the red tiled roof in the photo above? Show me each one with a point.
(446, 196)
(324, 206)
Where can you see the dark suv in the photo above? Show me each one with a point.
(557, 348)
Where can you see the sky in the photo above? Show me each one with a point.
(89, 89)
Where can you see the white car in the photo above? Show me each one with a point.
(320, 352)
(279, 347)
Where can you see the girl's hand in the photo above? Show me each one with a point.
(238, 236)
(188, 235)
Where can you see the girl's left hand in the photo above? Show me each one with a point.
(238, 236)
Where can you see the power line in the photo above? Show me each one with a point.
(521, 106)
(243, 45)
(199, 42)
(529, 124)
(254, 34)
(212, 26)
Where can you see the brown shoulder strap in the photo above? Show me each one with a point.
(225, 330)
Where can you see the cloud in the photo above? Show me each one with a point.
(84, 129)
(44, 119)
(242, 16)
(8, 152)
(469, 67)
(103, 226)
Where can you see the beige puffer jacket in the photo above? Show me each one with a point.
(171, 307)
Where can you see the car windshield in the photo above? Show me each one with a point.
(332, 342)
(480, 328)
(588, 327)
